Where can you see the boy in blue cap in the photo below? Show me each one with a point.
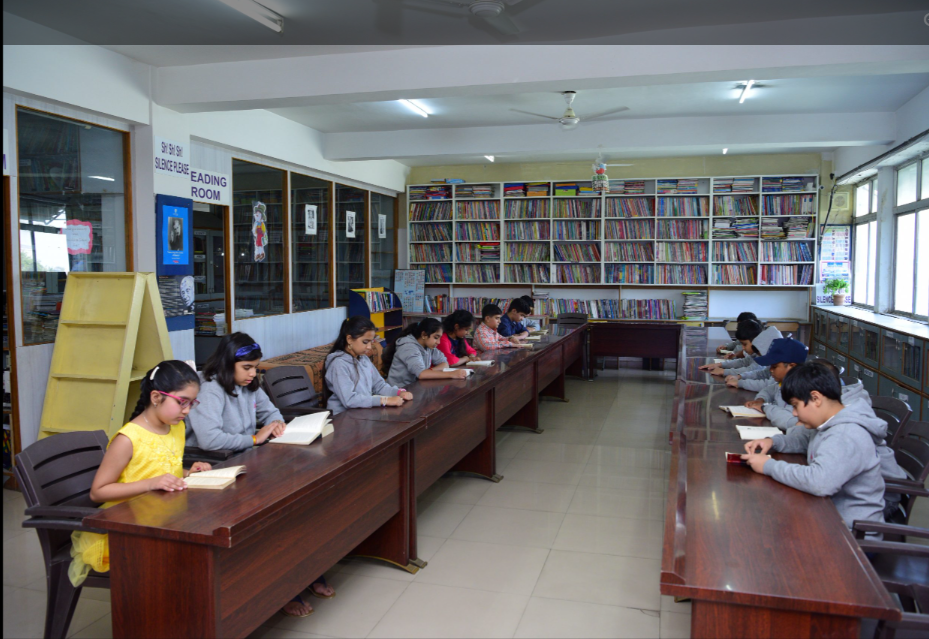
(783, 356)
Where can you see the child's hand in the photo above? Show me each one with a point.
(514, 339)
(764, 444)
(720, 349)
(274, 428)
(406, 395)
(199, 467)
(757, 462)
(716, 370)
(458, 374)
(707, 367)
(167, 482)
(757, 404)
(394, 401)
(731, 356)
(733, 381)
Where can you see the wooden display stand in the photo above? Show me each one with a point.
(389, 322)
(111, 331)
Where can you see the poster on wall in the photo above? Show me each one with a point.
(350, 224)
(310, 219)
(174, 267)
(410, 287)
(175, 235)
(835, 260)
(259, 230)
(177, 295)
(79, 237)
(381, 225)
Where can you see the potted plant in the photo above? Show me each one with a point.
(837, 289)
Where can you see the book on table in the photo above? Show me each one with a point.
(306, 429)
(450, 369)
(741, 411)
(534, 338)
(214, 479)
(757, 432)
(482, 362)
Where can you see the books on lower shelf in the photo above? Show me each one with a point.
(478, 211)
(576, 230)
(431, 252)
(578, 273)
(682, 229)
(630, 207)
(527, 252)
(787, 274)
(431, 232)
(788, 204)
(305, 429)
(378, 302)
(477, 273)
(786, 252)
(466, 231)
(682, 252)
(436, 273)
(482, 252)
(681, 274)
(577, 252)
(657, 309)
(629, 252)
(575, 208)
(734, 205)
(735, 274)
(214, 479)
(730, 228)
(527, 230)
(528, 273)
(526, 209)
(696, 305)
(735, 252)
(629, 229)
(629, 273)
(683, 207)
(430, 211)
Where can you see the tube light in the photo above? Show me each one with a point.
(100, 177)
(725, 151)
(257, 12)
(489, 157)
(415, 108)
(745, 90)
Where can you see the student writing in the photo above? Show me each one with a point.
(486, 337)
(842, 462)
(414, 355)
(511, 324)
(145, 455)
(232, 402)
(351, 377)
(453, 344)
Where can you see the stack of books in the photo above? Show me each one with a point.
(586, 191)
(772, 185)
(537, 189)
(722, 229)
(743, 185)
(722, 185)
(792, 184)
(799, 228)
(696, 305)
(430, 192)
(515, 189)
(475, 190)
(565, 188)
(635, 187)
(771, 230)
(677, 187)
(617, 187)
(379, 302)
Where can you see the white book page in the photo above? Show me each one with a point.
(483, 362)
(311, 423)
(757, 432)
(446, 370)
(223, 473)
(742, 411)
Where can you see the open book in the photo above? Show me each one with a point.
(214, 479)
(741, 411)
(533, 338)
(539, 332)
(724, 352)
(304, 430)
(718, 361)
(446, 370)
(757, 432)
(483, 362)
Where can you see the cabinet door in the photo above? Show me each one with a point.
(819, 350)
(832, 330)
(864, 342)
(890, 388)
(819, 324)
(902, 357)
(867, 376)
(841, 361)
(842, 325)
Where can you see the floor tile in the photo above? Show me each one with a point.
(100, 629)
(525, 495)
(483, 566)
(509, 526)
(629, 457)
(669, 605)
(553, 618)
(614, 503)
(459, 489)
(675, 626)
(545, 471)
(270, 632)
(430, 610)
(653, 487)
(562, 434)
(611, 536)
(28, 613)
(22, 560)
(439, 518)
(360, 604)
(573, 453)
(630, 582)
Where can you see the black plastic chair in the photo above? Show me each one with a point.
(572, 319)
(916, 596)
(291, 390)
(55, 475)
(194, 454)
(911, 452)
(895, 412)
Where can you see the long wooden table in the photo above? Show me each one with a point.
(219, 564)
(758, 559)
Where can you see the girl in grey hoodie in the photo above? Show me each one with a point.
(414, 355)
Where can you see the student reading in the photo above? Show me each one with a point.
(735, 347)
(453, 343)
(511, 324)
(146, 454)
(414, 355)
(486, 337)
(351, 377)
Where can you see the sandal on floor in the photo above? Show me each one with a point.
(321, 581)
(298, 599)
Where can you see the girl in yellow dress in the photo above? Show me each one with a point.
(146, 454)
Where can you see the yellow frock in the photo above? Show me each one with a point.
(152, 456)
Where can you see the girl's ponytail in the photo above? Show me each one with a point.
(169, 376)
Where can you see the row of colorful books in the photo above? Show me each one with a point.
(576, 208)
(478, 211)
(735, 252)
(685, 186)
(734, 274)
(527, 231)
(788, 204)
(528, 274)
(581, 230)
(474, 190)
(577, 252)
(578, 273)
(627, 187)
(525, 189)
(527, 252)
(629, 273)
(436, 273)
(431, 252)
(726, 228)
(682, 252)
(379, 302)
(432, 192)
(630, 207)
(786, 252)
(681, 274)
(787, 275)
(431, 232)
(682, 229)
(733, 185)
(683, 207)
(470, 231)
(526, 209)
(729, 205)
(629, 252)
(430, 211)
(629, 230)
(478, 273)
(484, 252)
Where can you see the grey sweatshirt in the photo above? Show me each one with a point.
(755, 375)
(224, 422)
(410, 359)
(354, 383)
(842, 462)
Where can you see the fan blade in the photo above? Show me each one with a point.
(600, 115)
(504, 24)
(538, 115)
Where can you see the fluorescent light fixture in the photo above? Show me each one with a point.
(258, 13)
(100, 177)
(414, 107)
(489, 157)
(725, 151)
(745, 90)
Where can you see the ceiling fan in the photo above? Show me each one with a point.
(494, 13)
(569, 119)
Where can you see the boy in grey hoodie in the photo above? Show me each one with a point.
(842, 460)
(755, 341)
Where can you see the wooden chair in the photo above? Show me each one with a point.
(55, 475)
(291, 390)
(895, 412)
(572, 319)
(916, 596)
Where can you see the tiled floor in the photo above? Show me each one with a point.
(567, 545)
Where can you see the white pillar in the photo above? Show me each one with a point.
(883, 290)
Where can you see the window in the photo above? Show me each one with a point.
(911, 231)
(351, 205)
(72, 211)
(906, 184)
(258, 226)
(310, 235)
(382, 240)
(863, 199)
(864, 253)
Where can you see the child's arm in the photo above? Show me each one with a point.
(779, 417)
(754, 384)
(795, 440)
(836, 462)
(106, 486)
(343, 386)
(265, 410)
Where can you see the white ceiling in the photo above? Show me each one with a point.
(846, 94)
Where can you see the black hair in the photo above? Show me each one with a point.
(489, 310)
(748, 330)
(832, 367)
(458, 319)
(746, 316)
(353, 327)
(169, 376)
(802, 380)
(221, 364)
(428, 325)
(520, 306)
(528, 300)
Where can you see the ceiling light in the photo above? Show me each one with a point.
(100, 177)
(725, 151)
(489, 157)
(258, 13)
(416, 108)
(745, 90)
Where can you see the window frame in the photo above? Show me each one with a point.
(858, 222)
(904, 209)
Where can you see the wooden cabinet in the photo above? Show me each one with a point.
(864, 342)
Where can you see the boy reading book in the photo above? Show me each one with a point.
(842, 462)
(486, 337)
(735, 347)
(747, 331)
(511, 324)
(530, 324)
(783, 356)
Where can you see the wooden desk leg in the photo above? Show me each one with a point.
(482, 460)
(711, 619)
(162, 588)
(391, 542)
(556, 389)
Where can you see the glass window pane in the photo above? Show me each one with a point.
(382, 240)
(872, 261)
(905, 258)
(925, 176)
(922, 274)
(350, 228)
(309, 232)
(862, 199)
(71, 177)
(906, 184)
(860, 274)
(258, 225)
(874, 196)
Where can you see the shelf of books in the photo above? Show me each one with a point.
(740, 231)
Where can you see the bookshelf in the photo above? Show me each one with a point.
(382, 307)
(739, 231)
